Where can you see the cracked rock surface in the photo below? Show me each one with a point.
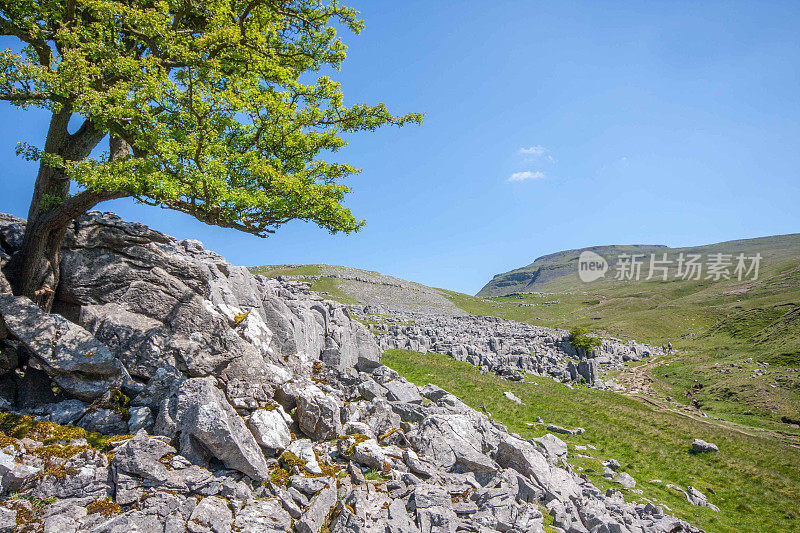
(249, 404)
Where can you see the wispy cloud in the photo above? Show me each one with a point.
(537, 149)
(526, 175)
(537, 152)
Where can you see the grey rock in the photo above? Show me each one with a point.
(564, 431)
(319, 415)
(358, 428)
(264, 515)
(66, 412)
(427, 495)
(696, 497)
(208, 425)
(289, 505)
(211, 515)
(140, 456)
(513, 397)
(523, 457)
(106, 421)
(552, 446)
(370, 454)
(69, 354)
(303, 449)
(346, 521)
(270, 429)
(15, 475)
(319, 507)
(141, 418)
(370, 389)
(308, 485)
(402, 391)
(625, 479)
(701, 446)
(8, 519)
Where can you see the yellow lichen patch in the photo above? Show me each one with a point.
(241, 317)
(327, 470)
(280, 476)
(355, 439)
(389, 434)
(21, 426)
(317, 367)
(55, 450)
(58, 471)
(106, 507)
(5, 440)
(288, 459)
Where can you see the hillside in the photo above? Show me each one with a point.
(355, 286)
(558, 272)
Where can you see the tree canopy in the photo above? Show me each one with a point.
(216, 108)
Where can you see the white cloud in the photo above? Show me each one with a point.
(526, 175)
(537, 150)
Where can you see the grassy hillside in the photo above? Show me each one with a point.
(738, 343)
(754, 479)
(722, 329)
(558, 272)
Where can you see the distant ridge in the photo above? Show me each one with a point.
(557, 272)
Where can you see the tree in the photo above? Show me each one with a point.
(584, 343)
(216, 108)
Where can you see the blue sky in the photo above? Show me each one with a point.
(550, 125)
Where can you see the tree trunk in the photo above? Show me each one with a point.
(35, 269)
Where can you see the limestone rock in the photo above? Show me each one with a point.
(69, 354)
(319, 414)
(270, 429)
(209, 425)
(701, 446)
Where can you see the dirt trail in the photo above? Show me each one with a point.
(638, 382)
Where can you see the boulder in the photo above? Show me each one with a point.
(369, 454)
(302, 449)
(696, 497)
(140, 418)
(264, 515)
(15, 475)
(552, 446)
(270, 429)
(211, 515)
(513, 397)
(523, 457)
(402, 391)
(209, 427)
(319, 507)
(564, 431)
(66, 412)
(106, 421)
(701, 446)
(318, 414)
(625, 479)
(69, 354)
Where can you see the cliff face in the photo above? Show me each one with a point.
(256, 406)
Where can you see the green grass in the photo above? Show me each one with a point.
(330, 288)
(756, 479)
(716, 326)
(273, 271)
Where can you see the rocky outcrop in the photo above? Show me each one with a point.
(257, 406)
(505, 347)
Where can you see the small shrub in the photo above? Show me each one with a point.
(106, 507)
(288, 459)
(580, 339)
